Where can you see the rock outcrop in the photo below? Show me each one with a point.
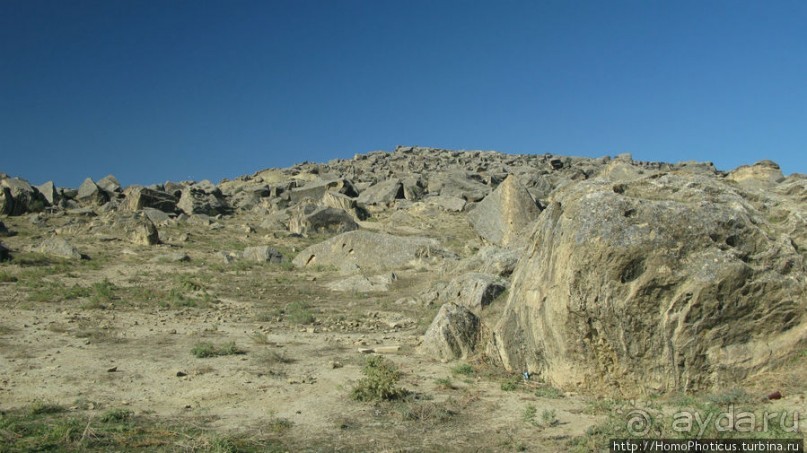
(504, 214)
(454, 334)
(675, 282)
(370, 252)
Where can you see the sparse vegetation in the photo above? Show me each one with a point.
(206, 349)
(511, 384)
(6, 277)
(463, 369)
(380, 382)
(547, 391)
(299, 313)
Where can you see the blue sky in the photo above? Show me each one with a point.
(154, 90)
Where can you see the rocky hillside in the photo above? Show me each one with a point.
(589, 274)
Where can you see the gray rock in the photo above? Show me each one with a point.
(370, 251)
(262, 254)
(109, 184)
(502, 216)
(48, 190)
(19, 197)
(362, 284)
(454, 334)
(491, 260)
(314, 190)
(309, 219)
(665, 284)
(138, 198)
(451, 204)
(89, 194)
(457, 185)
(383, 193)
(58, 247)
(157, 216)
(474, 290)
(197, 201)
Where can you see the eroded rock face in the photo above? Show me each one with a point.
(453, 334)
(505, 213)
(369, 251)
(668, 283)
(58, 247)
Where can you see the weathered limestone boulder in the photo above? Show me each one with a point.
(156, 216)
(503, 215)
(383, 193)
(137, 228)
(312, 219)
(262, 254)
(48, 190)
(138, 198)
(370, 252)
(451, 204)
(455, 184)
(491, 260)
(314, 190)
(762, 174)
(19, 197)
(110, 185)
(58, 247)
(474, 290)
(453, 334)
(413, 189)
(669, 283)
(201, 200)
(362, 284)
(89, 194)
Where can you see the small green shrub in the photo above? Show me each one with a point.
(548, 392)
(5, 277)
(206, 349)
(116, 415)
(380, 381)
(299, 313)
(463, 369)
(549, 418)
(511, 384)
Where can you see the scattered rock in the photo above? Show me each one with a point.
(503, 215)
(262, 254)
(453, 334)
(309, 219)
(138, 198)
(370, 251)
(89, 194)
(58, 247)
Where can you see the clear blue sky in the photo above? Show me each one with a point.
(152, 90)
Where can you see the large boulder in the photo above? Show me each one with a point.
(89, 194)
(262, 254)
(453, 334)
(370, 252)
(314, 190)
(310, 219)
(199, 199)
(491, 260)
(138, 198)
(48, 191)
(504, 214)
(474, 290)
(110, 185)
(762, 174)
(58, 247)
(456, 184)
(670, 283)
(5, 254)
(19, 197)
(383, 193)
